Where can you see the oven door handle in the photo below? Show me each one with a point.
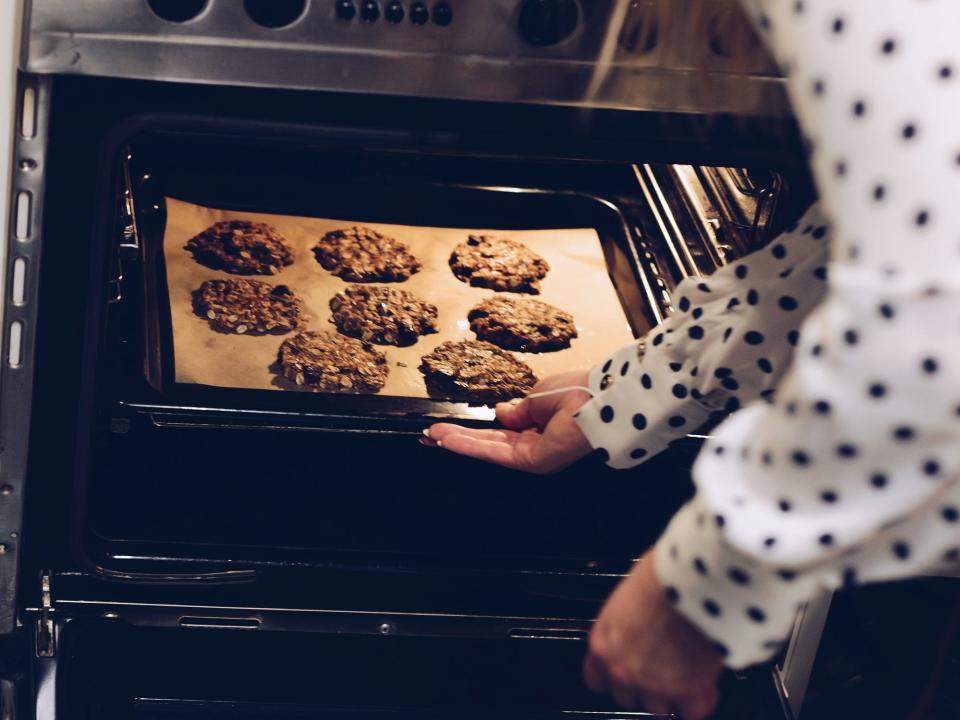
(224, 577)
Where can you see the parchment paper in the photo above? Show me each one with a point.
(577, 282)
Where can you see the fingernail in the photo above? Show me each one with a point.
(426, 432)
(439, 444)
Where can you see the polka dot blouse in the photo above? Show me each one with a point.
(838, 346)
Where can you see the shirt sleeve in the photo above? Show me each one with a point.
(729, 340)
(851, 475)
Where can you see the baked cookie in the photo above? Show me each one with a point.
(327, 362)
(498, 263)
(241, 247)
(382, 314)
(475, 370)
(359, 254)
(248, 307)
(522, 324)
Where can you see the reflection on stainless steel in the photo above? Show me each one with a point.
(704, 217)
(670, 232)
(484, 52)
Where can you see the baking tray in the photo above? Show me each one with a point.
(577, 283)
(376, 201)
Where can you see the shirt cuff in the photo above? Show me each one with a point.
(628, 428)
(746, 609)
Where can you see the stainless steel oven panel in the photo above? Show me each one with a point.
(482, 54)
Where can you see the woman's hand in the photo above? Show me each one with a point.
(647, 655)
(540, 434)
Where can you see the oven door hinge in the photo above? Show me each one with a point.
(46, 633)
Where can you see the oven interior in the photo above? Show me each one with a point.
(255, 475)
(153, 479)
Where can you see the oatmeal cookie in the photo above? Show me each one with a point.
(359, 254)
(382, 314)
(241, 247)
(522, 324)
(248, 306)
(498, 263)
(475, 370)
(327, 362)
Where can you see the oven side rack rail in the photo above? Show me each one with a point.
(21, 264)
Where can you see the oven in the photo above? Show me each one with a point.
(178, 549)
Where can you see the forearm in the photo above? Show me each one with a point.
(729, 341)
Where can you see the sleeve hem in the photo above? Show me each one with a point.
(745, 608)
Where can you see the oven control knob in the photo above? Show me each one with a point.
(394, 12)
(370, 10)
(442, 14)
(419, 14)
(346, 9)
(548, 22)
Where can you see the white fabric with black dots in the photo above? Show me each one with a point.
(850, 473)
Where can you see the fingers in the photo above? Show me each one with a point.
(690, 704)
(439, 431)
(690, 707)
(656, 704)
(624, 697)
(492, 451)
(700, 706)
(594, 676)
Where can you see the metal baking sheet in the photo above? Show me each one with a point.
(577, 282)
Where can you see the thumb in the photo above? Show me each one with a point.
(516, 415)
(539, 408)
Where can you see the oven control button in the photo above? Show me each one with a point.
(370, 10)
(394, 12)
(442, 14)
(419, 13)
(548, 22)
(346, 9)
